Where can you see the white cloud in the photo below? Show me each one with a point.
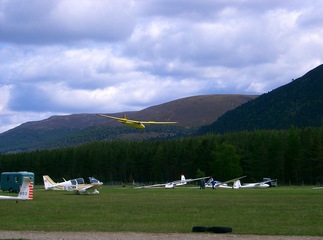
(4, 96)
(64, 56)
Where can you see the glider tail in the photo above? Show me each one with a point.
(48, 182)
(237, 184)
(183, 178)
(27, 189)
(209, 181)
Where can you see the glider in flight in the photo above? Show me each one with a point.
(133, 123)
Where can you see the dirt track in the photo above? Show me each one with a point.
(141, 236)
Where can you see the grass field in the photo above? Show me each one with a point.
(274, 211)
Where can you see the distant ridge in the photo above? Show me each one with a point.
(299, 104)
(194, 111)
(62, 131)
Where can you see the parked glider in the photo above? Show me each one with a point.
(265, 184)
(211, 183)
(133, 123)
(76, 184)
(173, 184)
(26, 191)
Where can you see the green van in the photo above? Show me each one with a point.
(11, 181)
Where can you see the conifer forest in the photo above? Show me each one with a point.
(293, 156)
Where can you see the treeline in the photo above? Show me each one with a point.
(29, 139)
(293, 156)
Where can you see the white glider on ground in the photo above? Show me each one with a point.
(76, 184)
(26, 191)
(265, 184)
(211, 183)
(173, 184)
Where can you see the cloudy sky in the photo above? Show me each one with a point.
(61, 57)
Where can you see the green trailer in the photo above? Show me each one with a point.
(11, 181)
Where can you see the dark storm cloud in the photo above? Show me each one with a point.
(63, 22)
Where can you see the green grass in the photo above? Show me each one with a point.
(274, 211)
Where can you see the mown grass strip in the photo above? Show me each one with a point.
(275, 211)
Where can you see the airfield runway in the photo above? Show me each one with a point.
(140, 236)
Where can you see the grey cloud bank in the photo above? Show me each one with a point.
(63, 57)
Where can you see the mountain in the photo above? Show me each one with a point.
(62, 131)
(299, 104)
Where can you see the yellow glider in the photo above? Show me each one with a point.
(133, 123)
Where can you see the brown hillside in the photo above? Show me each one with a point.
(74, 129)
(194, 111)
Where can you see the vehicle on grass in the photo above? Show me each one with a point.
(12, 181)
(173, 184)
(76, 184)
(133, 123)
(26, 191)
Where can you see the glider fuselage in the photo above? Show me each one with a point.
(137, 125)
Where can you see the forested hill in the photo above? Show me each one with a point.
(299, 104)
(62, 131)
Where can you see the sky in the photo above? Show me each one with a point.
(60, 57)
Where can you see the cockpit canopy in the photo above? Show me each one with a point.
(77, 181)
(94, 180)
